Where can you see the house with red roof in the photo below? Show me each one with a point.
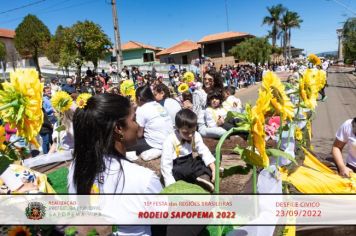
(183, 52)
(217, 46)
(7, 37)
(136, 53)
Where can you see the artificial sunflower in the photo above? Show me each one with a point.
(188, 77)
(19, 231)
(2, 138)
(263, 101)
(320, 79)
(183, 87)
(314, 59)
(308, 89)
(21, 103)
(257, 132)
(279, 100)
(298, 134)
(127, 88)
(61, 101)
(309, 129)
(82, 99)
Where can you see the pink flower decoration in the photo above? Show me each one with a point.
(272, 127)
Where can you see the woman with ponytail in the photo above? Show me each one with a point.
(102, 131)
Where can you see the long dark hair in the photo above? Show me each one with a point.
(144, 94)
(218, 82)
(217, 94)
(94, 136)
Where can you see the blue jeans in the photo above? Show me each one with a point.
(46, 141)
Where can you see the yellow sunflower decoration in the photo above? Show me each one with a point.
(314, 59)
(298, 134)
(280, 101)
(257, 132)
(2, 138)
(263, 101)
(61, 101)
(320, 78)
(308, 89)
(19, 230)
(21, 103)
(127, 88)
(183, 87)
(82, 99)
(188, 77)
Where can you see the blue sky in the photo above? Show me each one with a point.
(166, 22)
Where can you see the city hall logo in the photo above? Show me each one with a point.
(35, 211)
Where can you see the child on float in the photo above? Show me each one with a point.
(185, 156)
(215, 113)
(231, 103)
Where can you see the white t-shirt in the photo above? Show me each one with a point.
(212, 116)
(345, 134)
(232, 103)
(156, 122)
(172, 106)
(169, 153)
(136, 180)
(325, 65)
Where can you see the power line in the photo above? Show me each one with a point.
(21, 7)
(41, 12)
(345, 6)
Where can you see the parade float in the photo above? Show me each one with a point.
(282, 113)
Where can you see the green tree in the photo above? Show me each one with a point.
(2, 56)
(289, 21)
(349, 40)
(32, 37)
(274, 19)
(256, 50)
(95, 40)
(2, 51)
(55, 45)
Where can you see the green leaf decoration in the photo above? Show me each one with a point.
(278, 153)
(5, 161)
(234, 114)
(20, 113)
(243, 127)
(238, 150)
(60, 128)
(92, 232)
(182, 187)
(71, 231)
(251, 158)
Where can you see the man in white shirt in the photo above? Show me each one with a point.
(346, 134)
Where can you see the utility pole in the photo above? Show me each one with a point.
(118, 52)
(227, 16)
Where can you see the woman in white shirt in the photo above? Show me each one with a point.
(154, 122)
(102, 131)
(346, 134)
(163, 97)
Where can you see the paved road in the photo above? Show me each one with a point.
(340, 106)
